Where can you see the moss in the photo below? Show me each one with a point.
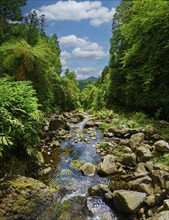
(21, 185)
(56, 210)
(103, 144)
(117, 184)
(65, 172)
(75, 164)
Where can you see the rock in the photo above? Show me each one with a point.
(143, 153)
(76, 117)
(160, 178)
(164, 215)
(149, 165)
(124, 142)
(161, 146)
(128, 201)
(26, 199)
(142, 185)
(156, 137)
(90, 124)
(65, 216)
(129, 159)
(108, 165)
(88, 169)
(99, 190)
(166, 204)
(151, 130)
(119, 131)
(136, 140)
(57, 123)
(151, 200)
(140, 170)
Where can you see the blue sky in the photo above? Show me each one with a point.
(84, 31)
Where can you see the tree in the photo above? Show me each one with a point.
(22, 58)
(9, 12)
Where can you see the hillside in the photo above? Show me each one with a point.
(83, 82)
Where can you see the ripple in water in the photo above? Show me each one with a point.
(100, 210)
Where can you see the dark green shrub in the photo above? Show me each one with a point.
(20, 119)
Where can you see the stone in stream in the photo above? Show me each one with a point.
(128, 201)
(88, 169)
(58, 123)
(108, 165)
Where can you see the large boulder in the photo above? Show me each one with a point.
(58, 123)
(76, 117)
(88, 169)
(119, 131)
(143, 153)
(128, 201)
(108, 165)
(91, 124)
(24, 198)
(136, 140)
(161, 146)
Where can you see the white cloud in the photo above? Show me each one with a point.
(83, 47)
(85, 72)
(85, 69)
(93, 54)
(65, 54)
(76, 11)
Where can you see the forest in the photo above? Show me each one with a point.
(32, 84)
(124, 115)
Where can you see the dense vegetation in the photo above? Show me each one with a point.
(137, 76)
(31, 84)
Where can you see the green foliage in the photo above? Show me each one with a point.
(20, 119)
(103, 144)
(164, 131)
(105, 113)
(162, 159)
(139, 56)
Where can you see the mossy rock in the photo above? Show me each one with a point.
(117, 184)
(75, 164)
(24, 198)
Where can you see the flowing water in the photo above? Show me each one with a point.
(80, 148)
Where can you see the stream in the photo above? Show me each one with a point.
(80, 149)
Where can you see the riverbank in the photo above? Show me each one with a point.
(124, 164)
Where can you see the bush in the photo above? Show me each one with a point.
(20, 119)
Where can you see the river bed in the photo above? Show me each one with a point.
(81, 149)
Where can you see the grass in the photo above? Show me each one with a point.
(132, 120)
(162, 159)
